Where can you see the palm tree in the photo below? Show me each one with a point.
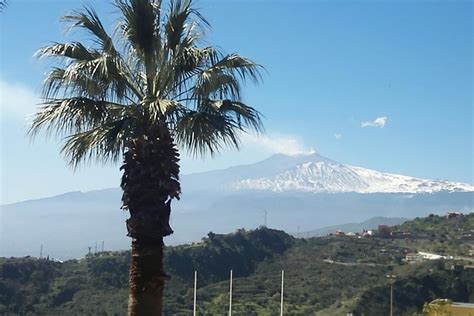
(136, 97)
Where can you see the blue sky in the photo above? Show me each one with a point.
(402, 69)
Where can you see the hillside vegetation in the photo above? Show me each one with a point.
(330, 275)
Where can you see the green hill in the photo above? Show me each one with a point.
(330, 275)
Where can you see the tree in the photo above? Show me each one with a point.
(138, 97)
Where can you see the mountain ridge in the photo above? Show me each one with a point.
(236, 178)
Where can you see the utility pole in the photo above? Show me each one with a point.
(391, 279)
(41, 251)
(230, 295)
(391, 298)
(89, 250)
(282, 286)
(95, 252)
(195, 289)
(102, 246)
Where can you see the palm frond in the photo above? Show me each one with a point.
(241, 66)
(3, 5)
(245, 116)
(74, 50)
(74, 115)
(138, 24)
(218, 76)
(89, 20)
(91, 66)
(75, 83)
(179, 25)
(104, 143)
(164, 110)
(216, 84)
(206, 132)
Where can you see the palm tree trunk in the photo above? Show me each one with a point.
(147, 279)
(150, 181)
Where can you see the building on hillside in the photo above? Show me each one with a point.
(431, 256)
(413, 257)
(384, 231)
(466, 236)
(340, 233)
(367, 233)
(442, 307)
(420, 256)
(400, 234)
(454, 214)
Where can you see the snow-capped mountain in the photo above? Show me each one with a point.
(306, 191)
(314, 173)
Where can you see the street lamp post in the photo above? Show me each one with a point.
(391, 279)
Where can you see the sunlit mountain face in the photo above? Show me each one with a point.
(314, 173)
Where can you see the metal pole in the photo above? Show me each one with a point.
(391, 298)
(282, 285)
(230, 295)
(41, 251)
(391, 279)
(195, 288)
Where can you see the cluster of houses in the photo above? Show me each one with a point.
(383, 231)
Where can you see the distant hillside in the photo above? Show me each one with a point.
(440, 225)
(331, 275)
(96, 284)
(371, 223)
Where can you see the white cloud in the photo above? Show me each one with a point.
(338, 136)
(378, 122)
(276, 143)
(16, 100)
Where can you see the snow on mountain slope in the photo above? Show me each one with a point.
(331, 177)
